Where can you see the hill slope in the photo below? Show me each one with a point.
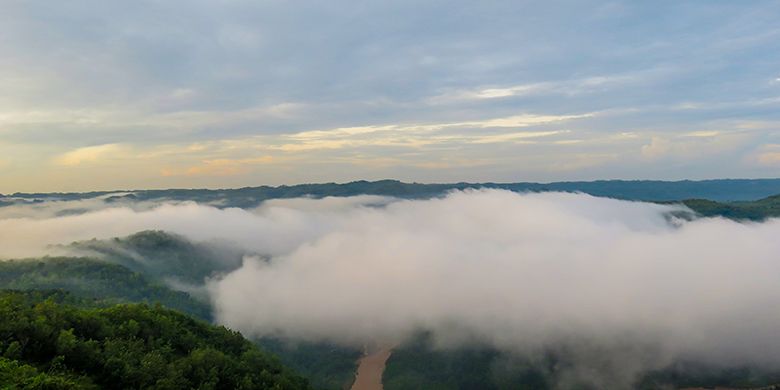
(753, 211)
(96, 281)
(126, 346)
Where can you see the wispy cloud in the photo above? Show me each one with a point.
(89, 154)
(577, 86)
(419, 135)
(219, 167)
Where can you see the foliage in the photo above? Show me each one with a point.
(327, 366)
(164, 255)
(23, 376)
(101, 282)
(416, 365)
(86, 282)
(753, 211)
(693, 375)
(127, 346)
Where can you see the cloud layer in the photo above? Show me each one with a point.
(537, 266)
(523, 273)
(276, 227)
(623, 287)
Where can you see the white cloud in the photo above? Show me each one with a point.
(580, 86)
(702, 134)
(514, 137)
(493, 93)
(88, 154)
(691, 146)
(418, 135)
(520, 272)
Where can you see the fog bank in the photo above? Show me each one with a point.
(622, 280)
(274, 228)
(622, 287)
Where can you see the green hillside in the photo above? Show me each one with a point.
(751, 211)
(164, 255)
(96, 281)
(46, 344)
(134, 269)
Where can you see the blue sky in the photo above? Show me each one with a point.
(155, 94)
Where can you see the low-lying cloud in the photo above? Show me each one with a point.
(276, 227)
(519, 272)
(526, 273)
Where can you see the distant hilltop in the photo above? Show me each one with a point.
(647, 190)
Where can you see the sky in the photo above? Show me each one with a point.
(100, 95)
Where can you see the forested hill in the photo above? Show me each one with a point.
(716, 190)
(148, 266)
(753, 211)
(138, 269)
(98, 282)
(47, 344)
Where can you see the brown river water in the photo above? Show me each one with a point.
(370, 369)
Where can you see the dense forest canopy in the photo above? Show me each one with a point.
(51, 344)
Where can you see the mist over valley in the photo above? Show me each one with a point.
(547, 288)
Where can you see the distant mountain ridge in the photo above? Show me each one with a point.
(649, 190)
